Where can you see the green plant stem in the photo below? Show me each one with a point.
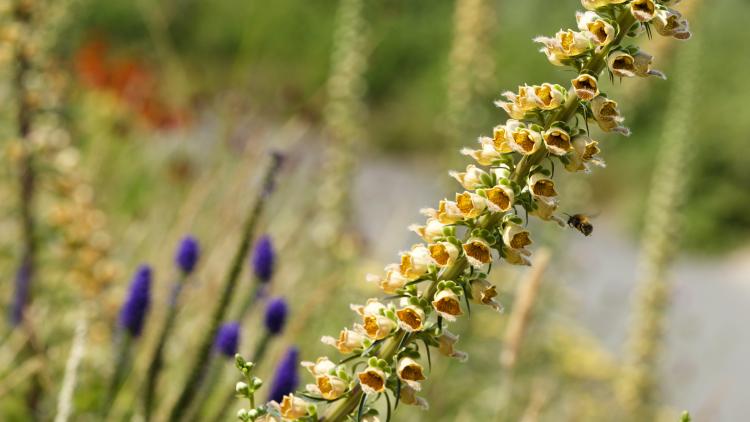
(198, 368)
(341, 410)
(257, 357)
(155, 366)
(122, 362)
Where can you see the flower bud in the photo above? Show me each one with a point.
(133, 312)
(276, 313)
(227, 339)
(187, 254)
(264, 258)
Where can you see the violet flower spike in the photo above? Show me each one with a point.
(228, 339)
(264, 259)
(276, 313)
(188, 253)
(286, 378)
(133, 313)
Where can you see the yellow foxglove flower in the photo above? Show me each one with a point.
(416, 262)
(549, 96)
(370, 418)
(330, 387)
(516, 237)
(516, 257)
(372, 380)
(499, 198)
(522, 139)
(447, 304)
(471, 179)
(409, 397)
(448, 212)
(557, 140)
(430, 232)
(477, 251)
(292, 407)
(586, 87)
(411, 318)
(392, 281)
(670, 23)
(446, 345)
(376, 325)
(607, 115)
(621, 64)
(322, 366)
(348, 341)
(545, 209)
(541, 185)
(484, 293)
(585, 151)
(486, 155)
(643, 10)
(564, 45)
(444, 253)
(643, 65)
(411, 372)
(500, 139)
(470, 204)
(599, 30)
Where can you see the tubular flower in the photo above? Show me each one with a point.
(416, 262)
(670, 23)
(411, 318)
(523, 140)
(444, 253)
(133, 313)
(642, 63)
(599, 30)
(227, 339)
(643, 10)
(470, 179)
(286, 378)
(586, 87)
(276, 313)
(411, 372)
(392, 281)
(349, 341)
(607, 115)
(470, 204)
(557, 140)
(477, 251)
(293, 408)
(187, 255)
(499, 198)
(509, 182)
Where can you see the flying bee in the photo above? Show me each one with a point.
(581, 222)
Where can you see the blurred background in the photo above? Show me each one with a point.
(167, 112)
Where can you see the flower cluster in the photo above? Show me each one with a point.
(435, 281)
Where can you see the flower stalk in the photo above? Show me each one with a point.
(199, 366)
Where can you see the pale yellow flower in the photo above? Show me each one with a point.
(416, 262)
(446, 345)
(670, 23)
(549, 96)
(322, 366)
(431, 231)
(348, 341)
(471, 179)
(447, 304)
(516, 257)
(599, 30)
(448, 212)
(541, 185)
(392, 281)
(586, 87)
(643, 10)
(621, 64)
(595, 4)
(486, 155)
(484, 293)
(557, 140)
(444, 253)
(330, 387)
(372, 380)
(411, 318)
(499, 198)
(643, 65)
(607, 115)
(523, 140)
(470, 204)
(516, 237)
(545, 209)
(409, 397)
(477, 251)
(292, 407)
(585, 151)
(411, 372)
(500, 139)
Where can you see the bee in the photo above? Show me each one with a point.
(581, 223)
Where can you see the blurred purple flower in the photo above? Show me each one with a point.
(133, 312)
(285, 379)
(188, 252)
(228, 339)
(21, 296)
(276, 312)
(264, 259)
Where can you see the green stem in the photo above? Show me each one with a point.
(122, 362)
(344, 408)
(204, 349)
(156, 364)
(257, 357)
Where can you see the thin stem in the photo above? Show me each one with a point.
(122, 362)
(154, 368)
(204, 350)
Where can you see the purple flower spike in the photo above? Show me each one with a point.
(264, 258)
(187, 254)
(285, 379)
(228, 339)
(276, 312)
(133, 312)
(21, 297)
